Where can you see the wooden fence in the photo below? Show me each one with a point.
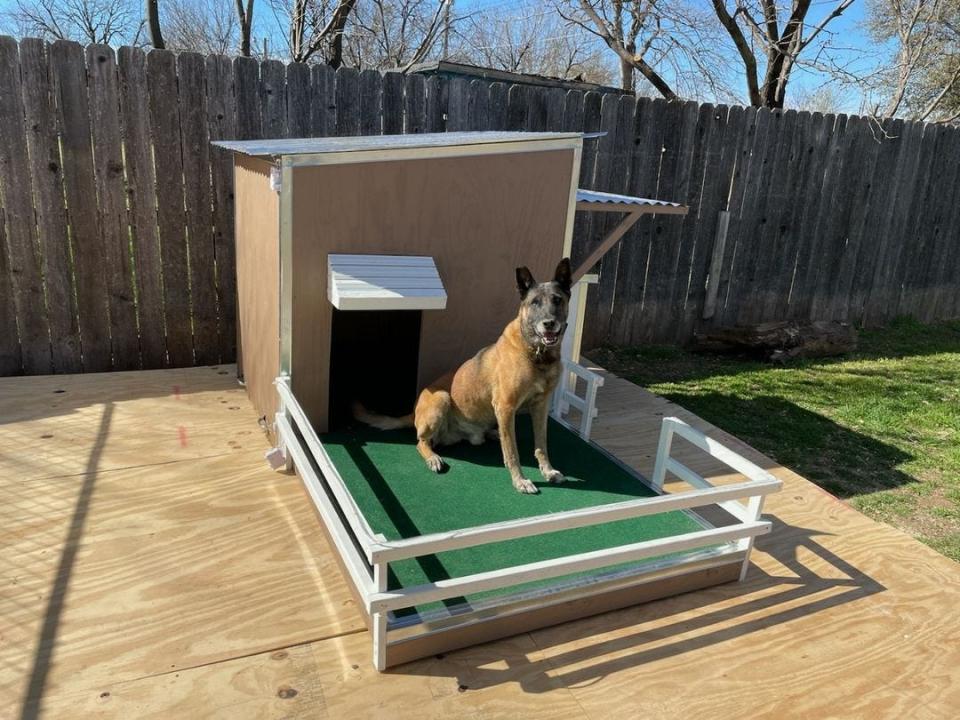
(116, 238)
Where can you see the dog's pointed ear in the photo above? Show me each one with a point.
(525, 280)
(562, 276)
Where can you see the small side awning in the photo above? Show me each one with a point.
(593, 200)
(384, 282)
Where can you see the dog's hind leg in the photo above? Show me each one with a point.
(539, 412)
(430, 416)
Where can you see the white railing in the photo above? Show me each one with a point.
(367, 555)
(565, 396)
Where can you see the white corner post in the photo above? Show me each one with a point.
(279, 455)
(663, 455)
(565, 394)
(378, 620)
(748, 513)
(754, 511)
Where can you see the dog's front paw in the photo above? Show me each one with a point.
(437, 464)
(524, 486)
(552, 476)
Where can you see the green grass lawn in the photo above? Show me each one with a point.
(879, 428)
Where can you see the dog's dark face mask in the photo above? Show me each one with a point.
(543, 310)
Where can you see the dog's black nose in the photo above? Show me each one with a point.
(550, 324)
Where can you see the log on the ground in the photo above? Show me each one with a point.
(780, 341)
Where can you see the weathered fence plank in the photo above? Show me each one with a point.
(222, 125)
(457, 105)
(371, 103)
(108, 160)
(873, 240)
(611, 174)
(273, 99)
(68, 72)
(348, 102)
(323, 85)
(11, 362)
(478, 105)
(167, 142)
(299, 100)
(415, 104)
(246, 74)
(393, 83)
(47, 176)
(22, 271)
(498, 106)
(779, 233)
(435, 111)
(715, 181)
(142, 204)
(757, 240)
(195, 151)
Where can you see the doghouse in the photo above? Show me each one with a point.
(369, 266)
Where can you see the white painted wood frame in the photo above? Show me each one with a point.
(367, 555)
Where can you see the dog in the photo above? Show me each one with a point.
(483, 396)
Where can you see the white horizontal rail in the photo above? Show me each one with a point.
(733, 507)
(575, 400)
(720, 452)
(585, 373)
(546, 569)
(571, 519)
(358, 523)
(351, 557)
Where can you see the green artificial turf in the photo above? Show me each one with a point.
(401, 498)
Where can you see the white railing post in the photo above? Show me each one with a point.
(754, 511)
(379, 619)
(663, 454)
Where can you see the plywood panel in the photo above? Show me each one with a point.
(478, 217)
(114, 576)
(258, 279)
(62, 425)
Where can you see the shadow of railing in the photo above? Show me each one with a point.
(698, 620)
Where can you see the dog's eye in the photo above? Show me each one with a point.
(536, 302)
(555, 300)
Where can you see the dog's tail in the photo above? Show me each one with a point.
(381, 422)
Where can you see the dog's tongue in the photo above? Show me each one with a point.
(550, 337)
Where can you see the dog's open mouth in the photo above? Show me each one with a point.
(550, 338)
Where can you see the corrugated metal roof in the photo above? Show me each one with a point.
(591, 196)
(311, 146)
(385, 282)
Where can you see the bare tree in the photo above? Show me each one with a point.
(88, 21)
(205, 26)
(314, 28)
(397, 33)
(245, 17)
(674, 45)
(152, 13)
(777, 47)
(922, 79)
(532, 40)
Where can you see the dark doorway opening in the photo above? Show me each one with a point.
(374, 357)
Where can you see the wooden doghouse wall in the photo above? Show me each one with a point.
(479, 217)
(258, 279)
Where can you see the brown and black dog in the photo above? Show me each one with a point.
(481, 399)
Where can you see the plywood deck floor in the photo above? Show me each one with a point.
(151, 566)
